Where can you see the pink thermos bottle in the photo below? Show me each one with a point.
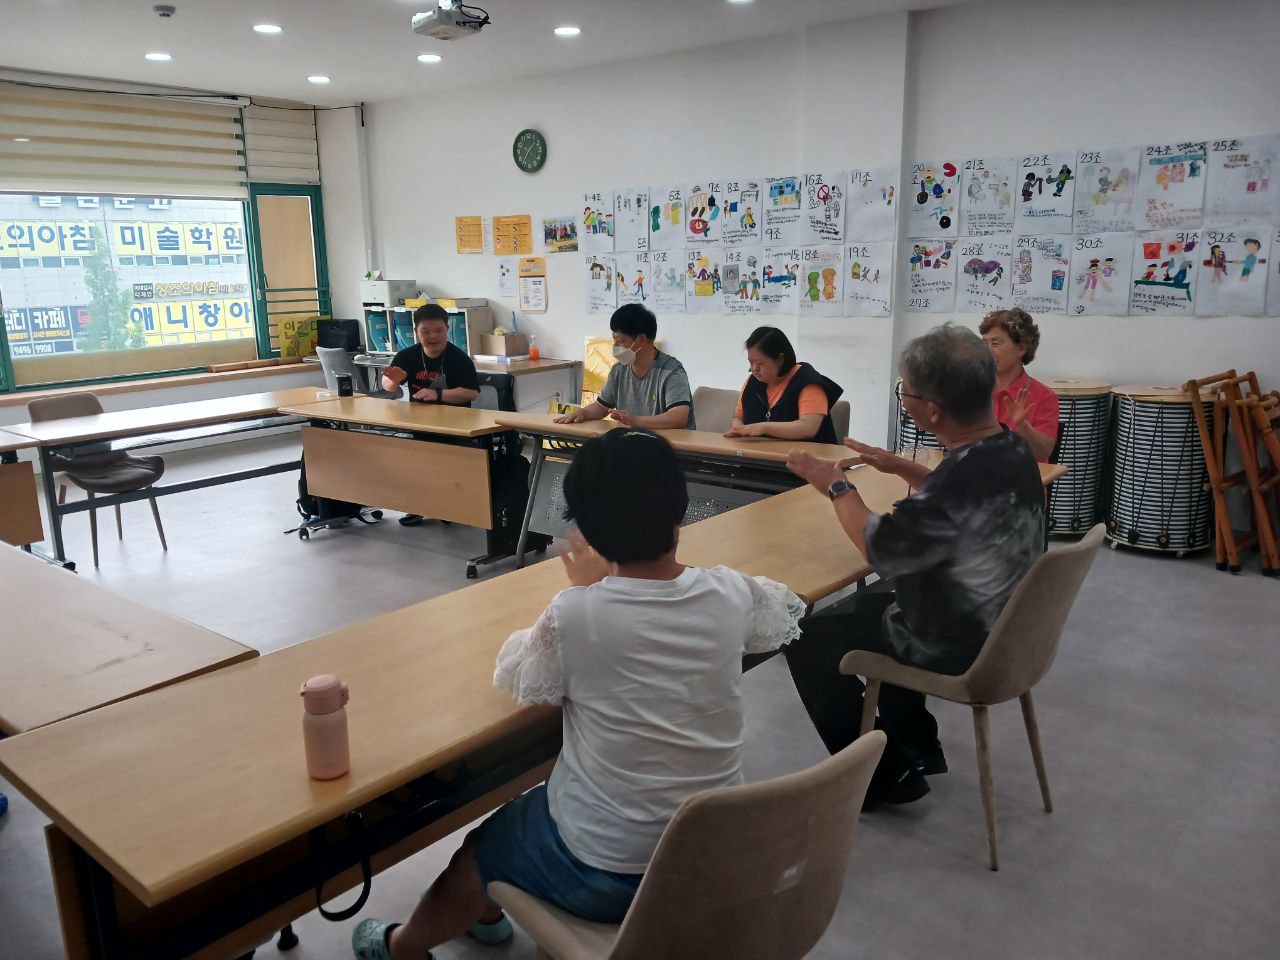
(324, 726)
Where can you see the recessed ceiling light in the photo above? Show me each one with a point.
(739, 1)
(21, 139)
(267, 28)
(318, 79)
(568, 31)
(159, 57)
(429, 58)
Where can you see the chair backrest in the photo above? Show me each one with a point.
(333, 361)
(713, 408)
(82, 404)
(1022, 644)
(755, 870)
(840, 418)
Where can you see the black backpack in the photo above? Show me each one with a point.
(322, 508)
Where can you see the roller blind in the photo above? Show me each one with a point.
(281, 145)
(112, 143)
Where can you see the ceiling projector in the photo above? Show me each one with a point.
(450, 21)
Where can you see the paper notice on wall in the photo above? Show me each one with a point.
(666, 217)
(666, 281)
(1166, 273)
(560, 234)
(1239, 189)
(703, 214)
(824, 206)
(469, 233)
(596, 222)
(782, 210)
(933, 199)
(986, 208)
(780, 280)
(931, 276)
(533, 284)
(634, 278)
(513, 235)
(873, 204)
(868, 279)
(1171, 186)
(507, 277)
(1234, 263)
(1273, 281)
(1046, 193)
(703, 280)
(741, 280)
(1106, 184)
(631, 219)
(822, 281)
(984, 282)
(741, 203)
(600, 283)
(1040, 268)
(1101, 267)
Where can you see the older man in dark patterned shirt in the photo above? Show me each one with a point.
(954, 551)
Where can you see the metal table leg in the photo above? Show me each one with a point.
(539, 455)
(51, 502)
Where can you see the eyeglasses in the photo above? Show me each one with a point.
(902, 393)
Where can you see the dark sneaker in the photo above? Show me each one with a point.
(928, 759)
(909, 787)
(410, 520)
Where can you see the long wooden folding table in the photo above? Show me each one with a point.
(19, 504)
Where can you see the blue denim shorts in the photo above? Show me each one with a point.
(521, 845)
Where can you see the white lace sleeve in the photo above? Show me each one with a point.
(775, 615)
(529, 663)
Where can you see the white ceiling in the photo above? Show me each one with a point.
(366, 46)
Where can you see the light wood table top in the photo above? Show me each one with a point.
(402, 415)
(10, 442)
(69, 645)
(517, 367)
(173, 416)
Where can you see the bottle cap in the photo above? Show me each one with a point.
(324, 694)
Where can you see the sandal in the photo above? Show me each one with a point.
(492, 934)
(369, 940)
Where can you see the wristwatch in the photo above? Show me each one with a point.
(839, 488)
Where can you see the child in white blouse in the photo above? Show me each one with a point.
(645, 657)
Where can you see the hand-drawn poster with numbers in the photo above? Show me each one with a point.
(703, 280)
(987, 205)
(1273, 283)
(1101, 265)
(984, 282)
(741, 280)
(782, 210)
(666, 217)
(596, 222)
(1166, 273)
(1046, 192)
(600, 283)
(824, 203)
(1239, 189)
(633, 277)
(1040, 268)
(631, 219)
(868, 279)
(703, 215)
(1106, 183)
(1171, 186)
(780, 280)
(742, 213)
(931, 276)
(821, 281)
(873, 204)
(666, 281)
(1234, 263)
(933, 199)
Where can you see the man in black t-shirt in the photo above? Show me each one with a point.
(433, 368)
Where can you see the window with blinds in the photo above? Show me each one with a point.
(280, 144)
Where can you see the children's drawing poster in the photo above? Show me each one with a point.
(873, 204)
(987, 205)
(821, 286)
(824, 203)
(741, 204)
(666, 217)
(703, 280)
(596, 223)
(1040, 268)
(1165, 273)
(666, 281)
(741, 280)
(600, 283)
(783, 215)
(1238, 189)
(560, 234)
(633, 277)
(1171, 186)
(631, 219)
(780, 280)
(703, 214)
(931, 276)
(868, 279)
(1101, 266)
(934, 199)
(984, 281)
(1273, 284)
(1046, 192)
(1106, 183)
(1234, 263)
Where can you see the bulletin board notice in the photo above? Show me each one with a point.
(470, 234)
(513, 235)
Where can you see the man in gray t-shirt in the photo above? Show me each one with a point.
(645, 388)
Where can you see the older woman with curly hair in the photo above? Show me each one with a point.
(1024, 405)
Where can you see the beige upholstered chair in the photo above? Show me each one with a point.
(103, 471)
(713, 408)
(751, 872)
(1016, 656)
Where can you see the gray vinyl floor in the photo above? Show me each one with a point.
(1159, 721)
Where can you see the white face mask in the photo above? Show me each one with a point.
(624, 355)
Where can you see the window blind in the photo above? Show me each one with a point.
(281, 145)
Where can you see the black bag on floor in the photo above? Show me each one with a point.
(510, 483)
(322, 508)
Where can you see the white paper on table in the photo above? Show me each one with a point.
(931, 275)
(596, 222)
(1040, 268)
(986, 207)
(631, 219)
(742, 213)
(1046, 193)
(600, 283)
(1101, 268)
(1234, 263)
(703, 280)
(1106, 184)
(1166, 273)
(633, 278)
(822, 281)
(667, 273)
(823, 200)
(666, 217)
(780, 276)
(783, 214)
(1240, 186)
(984, 281)
(703, 214)
(873, 204)
(933, 199)
(1171, 186)
(868, 278)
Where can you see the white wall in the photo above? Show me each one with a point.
(343, 186)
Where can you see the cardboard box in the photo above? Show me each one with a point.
(514, 345)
